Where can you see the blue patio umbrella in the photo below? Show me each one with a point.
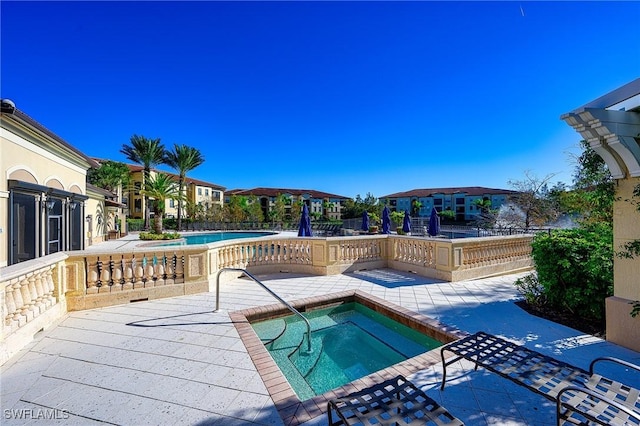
(434, 223)
(406, 223)
(304, 230)
(386, 221)
(365, 221)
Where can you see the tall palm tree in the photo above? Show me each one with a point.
(148, 153)
(183, 158)
(160, 188)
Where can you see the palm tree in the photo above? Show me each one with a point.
(149, 153)
(183, 158)
(160, 188)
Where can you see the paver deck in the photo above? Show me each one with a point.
(176, 362)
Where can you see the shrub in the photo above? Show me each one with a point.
(170, 223)
(532, 291)
(575, 267)
(135, 224)
(163, 236)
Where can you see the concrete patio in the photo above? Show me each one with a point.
(176, 362)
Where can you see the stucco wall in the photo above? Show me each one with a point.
(625, 229)
(22, 159)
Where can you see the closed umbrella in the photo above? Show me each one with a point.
(386, 221)
(304, 229)
(406, 223)
(434, 223)
(365, 221)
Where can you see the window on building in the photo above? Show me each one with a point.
(199, 191)
(172, 203)
(206, 192)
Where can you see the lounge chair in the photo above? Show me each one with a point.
(581, 397)
(392, 402)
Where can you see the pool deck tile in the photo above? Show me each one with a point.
(174, 361)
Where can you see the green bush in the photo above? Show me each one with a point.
(135, 225)
(575, 267)
(532, 291)
(163, 236)
(170, 223)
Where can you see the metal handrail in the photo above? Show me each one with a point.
(280, 299)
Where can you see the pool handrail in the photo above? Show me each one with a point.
(280, 299)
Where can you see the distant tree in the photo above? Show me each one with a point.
(415, 208)
(183, 159)
(533, 199)
(110, 175)
(487, 216)
(235, 209)
(160, 188)
(253, 210)
(594, 187)
(326, 206)
(278, 210)
(296, 210)
(354, 208)
(148, 153)
(195, 211)
(215, 213)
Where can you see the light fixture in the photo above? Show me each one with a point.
(73, 205)
(51, 204)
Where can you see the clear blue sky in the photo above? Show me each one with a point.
(343, 97)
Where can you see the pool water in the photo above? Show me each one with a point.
(216, 236)
(348, 341)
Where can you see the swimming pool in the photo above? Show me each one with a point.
(348, 341)
(212, 237)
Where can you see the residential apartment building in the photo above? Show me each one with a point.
(197, 191)
(45, 205)
(320, 204)
(460, 200)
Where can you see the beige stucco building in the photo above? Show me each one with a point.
(611, 126)
(44, 203)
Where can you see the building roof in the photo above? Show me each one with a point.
(8, 109)
(467, 190)
(274, 192)
(625, 97)
(187, 179)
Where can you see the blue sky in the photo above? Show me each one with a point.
(343, 97)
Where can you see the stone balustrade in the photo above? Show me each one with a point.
(31, 298)
(37, 292)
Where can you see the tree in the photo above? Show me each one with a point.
(110, 175)
(235, 209)
(183, 159)
(355, 208)
(533, 200)
(326, 206)
(594, 188)
(415, 208)
(253, 211)
(195, 211)
(277, 212)
(160, 188)
(148, 153)
(487, 216)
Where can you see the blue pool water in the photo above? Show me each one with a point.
(214, 237)
(348, 341)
